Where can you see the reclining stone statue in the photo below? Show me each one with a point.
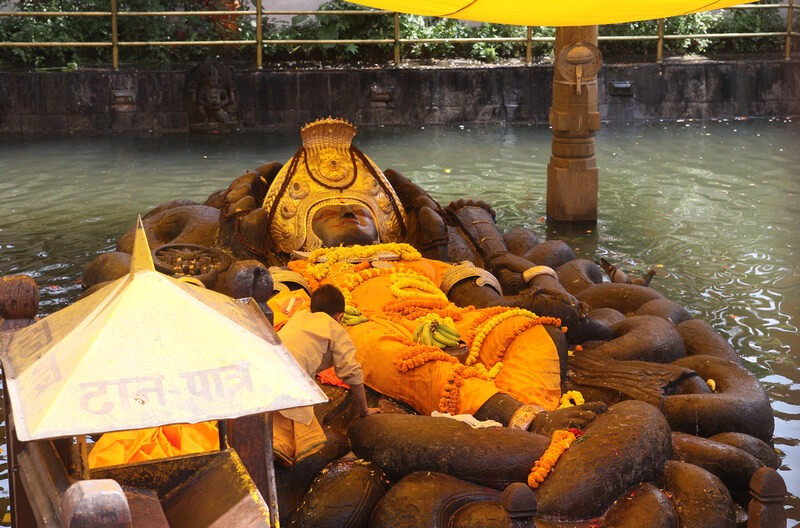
(453, 317)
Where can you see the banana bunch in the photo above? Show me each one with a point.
(352, 316)
(437, 331)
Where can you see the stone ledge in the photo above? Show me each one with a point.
(90, 102)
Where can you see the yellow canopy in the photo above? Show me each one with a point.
(144, 351)
(550, 13)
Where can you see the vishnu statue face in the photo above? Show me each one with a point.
(344, 225)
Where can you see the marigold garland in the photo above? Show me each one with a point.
(483, 330)
(571, 399)
(346, 276)
(560, 442)
(417, 355)
(495, 370)
(300, 266)
(347, 282)
(402, 250)
(450, 395)
(486, 314)
(413, 308)
(351, 281)
(321, 260)
(404, 283)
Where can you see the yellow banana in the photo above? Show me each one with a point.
(352, 310)
(448, 331)
(352, 320)
(443, 341)
(427, 334)
(417, 333)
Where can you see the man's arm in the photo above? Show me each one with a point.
(361, 399)
(345, 365)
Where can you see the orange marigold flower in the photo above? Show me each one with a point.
(560, 442)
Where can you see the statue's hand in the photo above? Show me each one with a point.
(454, 206)
(247, 191)
(566, 298)
(577, 417)
(508, 261)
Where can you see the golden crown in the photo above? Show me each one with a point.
(328, 133)
(328, 170)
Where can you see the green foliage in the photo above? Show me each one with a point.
(361, 27)
(331, 27)
(335, 27)
(50, 29)
(712, 22)
(130, 29)
(696, 24)
(182, 28)
(749, 21)
(417, 27)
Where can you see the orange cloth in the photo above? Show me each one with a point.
(380, 343)
(531, 368)
(292, 442)
(139, 445)
(285, 304)
(530, 372)
(433, 269)
(329, 377)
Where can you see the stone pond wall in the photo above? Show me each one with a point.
(104, 101)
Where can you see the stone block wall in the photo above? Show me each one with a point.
(98, 102)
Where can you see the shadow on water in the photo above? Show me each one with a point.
(712, 205)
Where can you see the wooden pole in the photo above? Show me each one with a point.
(272, 485)
(259, 35)
(572, 174)
(789, 21)
(114, 37)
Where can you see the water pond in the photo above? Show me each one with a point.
(714, 205)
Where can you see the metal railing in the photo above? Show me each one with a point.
(397, 41)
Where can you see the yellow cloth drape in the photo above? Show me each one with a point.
(549, 13)
(140, 445)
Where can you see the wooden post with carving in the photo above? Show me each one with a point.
(572, 173)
